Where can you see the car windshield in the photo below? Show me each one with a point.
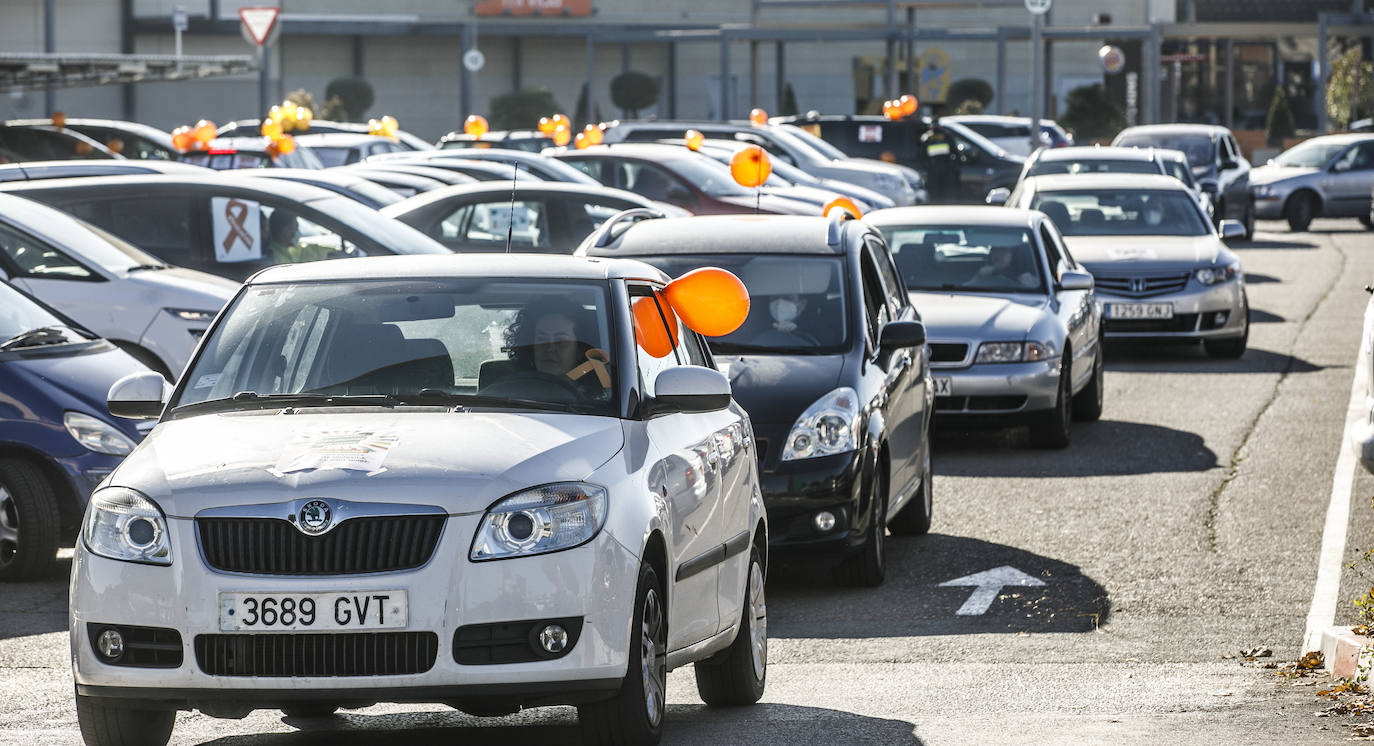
(710, 177)
(1311, 154)
(812, 141)
(973, 259)
(537, 344)
(332, 156)
(797, 304)
(25, 324)
(1092, 166)
(1133, 212)
(1199, 148)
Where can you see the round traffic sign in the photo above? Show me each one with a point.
(473, 60)
(1039, 7)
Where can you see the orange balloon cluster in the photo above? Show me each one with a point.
(387, 126)
(694, 139)
(656, 340)
(898, 108)
(476, 125)
(59, 119)
(709, 300)
(186, 138)
(549, 126)
(750, 166)
(561, 135)
(842, 203)
(758, 117)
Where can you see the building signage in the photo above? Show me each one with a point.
(534, 7)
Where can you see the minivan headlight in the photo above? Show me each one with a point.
(540, 520)
(97, 435)
(827, 427)
(123, 525)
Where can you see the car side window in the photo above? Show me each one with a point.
(29, 257)
(1052, 254)
(588, 166)
(1067, 258)
(649, 365)
(1359, 158)
(893, 288)
(160, 223)
(488, 223)
(875, 309)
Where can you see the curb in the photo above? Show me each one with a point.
(1346, 653)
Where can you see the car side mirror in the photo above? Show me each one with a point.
(1341, 166)
(1232, 229)
(1208, 186)
(898, 334)
(690, 388)
(1071, 280)
(138, 396)
(998, 196)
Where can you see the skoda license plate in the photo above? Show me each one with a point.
(1125, 311)
(299, 612)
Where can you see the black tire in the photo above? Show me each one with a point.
(635, 714)
(1087, 404)
(1367, 222)
(1233, 348)
(914, 518)
(1300, 211)
(29, 522)
(309, 710)
(1249, 220)
(736, 676)
(113, 722)
(1050, 428)
(867, 567)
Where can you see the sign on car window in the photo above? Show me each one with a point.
(238, 230)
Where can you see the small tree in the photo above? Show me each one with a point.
(521, 109)
(355, 96)
(969, 106)
(581, 117)
(1278, 124)
(969, 89)
(788, 107)
(1092, 114)
(302, 97)
(632, 91)
(1349, 94)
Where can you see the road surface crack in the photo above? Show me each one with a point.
(1233, 467)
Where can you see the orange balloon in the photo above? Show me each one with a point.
(561, 120)
(581, 142)
(286, 145)
(476, 125)
(181, 139)
(709, 301)
(842, 203)
(758, 117)
(115, 145)
(204, 131)
(83, 148)
(750, 166)
(908, 103)
(561, 136)
(594, 134)
(271, 129)
(649, 330)
(546, 126)
(694, 139)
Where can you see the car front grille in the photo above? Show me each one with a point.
(1141, 286)
(318, 654)
(273, 546)
(948, 353)
(954, 404)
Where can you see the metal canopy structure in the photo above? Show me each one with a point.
(36, 72)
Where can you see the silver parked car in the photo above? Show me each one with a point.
(1327, 176)
(1161, 270)
(1013, 329)
(1109, 160)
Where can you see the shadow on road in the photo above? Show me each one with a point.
(759, 724)
(37, 607)
(1258, 316)
(911, 601)
(1145, 357)
(1252, 278)
(1096, 450)
(1262, 243)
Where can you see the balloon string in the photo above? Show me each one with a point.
(758, 196)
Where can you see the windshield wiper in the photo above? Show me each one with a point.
(254, 400)
(43, 335)
(146, 267)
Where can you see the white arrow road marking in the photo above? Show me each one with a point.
(986, 586)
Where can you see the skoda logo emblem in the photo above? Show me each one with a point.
(315, 517)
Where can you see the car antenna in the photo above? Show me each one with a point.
(510, 218)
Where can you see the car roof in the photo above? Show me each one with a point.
(1089, 182)
(137, 128)
(642, 150)
(1344, 138)
(542, 266)
(338, 139)
(290, 190)
(728, 234)
(129, 166)
(979, 215)
(1078, 152)
(508, 191)
(1183, 129)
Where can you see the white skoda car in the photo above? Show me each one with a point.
(453, 479)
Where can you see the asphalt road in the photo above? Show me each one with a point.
(1179, 530)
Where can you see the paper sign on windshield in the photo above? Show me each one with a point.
(238, 230)
(870, 133)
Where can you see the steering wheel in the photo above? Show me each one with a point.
(518, 385)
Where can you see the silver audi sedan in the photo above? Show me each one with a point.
(1013, 329)
(1328, 176)
(1161, 270)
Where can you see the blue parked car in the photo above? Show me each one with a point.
(57, 438)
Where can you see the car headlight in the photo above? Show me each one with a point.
(124, 525)
(189, 314)
(539, 520)
(1012, 352)
(827, 427)
(1264, 190)
(1217, 275)
(97, 435)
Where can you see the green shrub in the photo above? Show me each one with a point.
(521, 110)
(632, 91)
(354, 94)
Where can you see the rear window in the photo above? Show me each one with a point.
(1092, 166)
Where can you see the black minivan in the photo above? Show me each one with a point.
(830, 364)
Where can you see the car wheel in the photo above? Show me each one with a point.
(1233, 348)
(1249, 220)
(29, 522)
(635, 714)
(1300, 211)
(1050, 428)
(114, 722)
(867, 567)
(1087, 405)
(737, 675)
(914, 519)
(310, 710)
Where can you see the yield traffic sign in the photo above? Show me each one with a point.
(258, 23)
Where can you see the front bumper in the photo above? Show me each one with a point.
(1199, 313)
(998, 391)
(1270, 206)
(795, 491)
(595, 581)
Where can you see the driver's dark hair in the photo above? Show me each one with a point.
(520, 334)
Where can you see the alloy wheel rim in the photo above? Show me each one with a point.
(926, 491)
(1100, 367)
(879, 527)
(652, 661)
(1065, 400)
(758, 621)
(9, 527)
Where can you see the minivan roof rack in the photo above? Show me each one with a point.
(835, 229)
(602, 237)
